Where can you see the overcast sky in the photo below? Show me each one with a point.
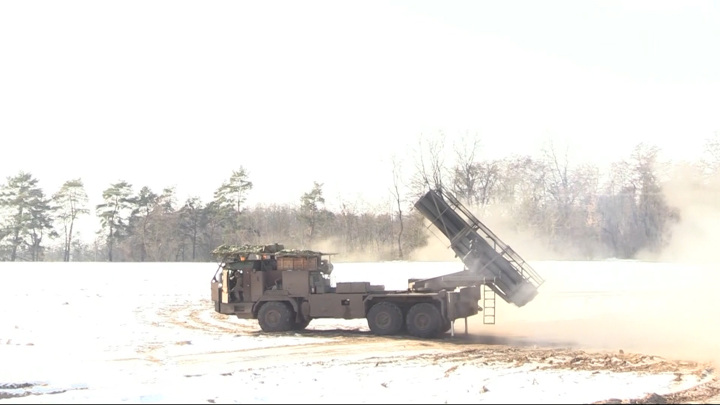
(180, 93)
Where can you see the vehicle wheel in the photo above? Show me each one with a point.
(385, 318)
(301, 325)
(424, 320)
(275, 316)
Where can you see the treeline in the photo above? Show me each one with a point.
(149, 226)
(575, 209)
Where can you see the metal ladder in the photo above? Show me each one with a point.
(488, 305)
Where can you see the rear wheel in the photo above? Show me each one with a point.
(385, 318)
(275, 316)
(424, 320)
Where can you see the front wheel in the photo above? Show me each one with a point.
(424, 320)
(275, 316)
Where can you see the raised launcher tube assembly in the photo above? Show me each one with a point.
(487, 259)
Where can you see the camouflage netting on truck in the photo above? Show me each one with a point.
(297, 253)
(228, 252)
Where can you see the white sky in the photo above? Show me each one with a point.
(181, 93)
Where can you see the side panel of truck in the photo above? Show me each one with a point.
(257, 285)
(333, 305)
(296, 282)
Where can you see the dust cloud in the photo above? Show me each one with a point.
(696, 237)
(340, 254)
(436, 250)
(664, 309)
(664, 303)
(522, 240)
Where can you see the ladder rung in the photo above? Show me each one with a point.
(488, 305)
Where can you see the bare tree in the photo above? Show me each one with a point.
(430, 165)
(560, 186)
(634, 211)
(349, 225)
(522, 190)
(398, 202)
(465, 173)
(474, 181)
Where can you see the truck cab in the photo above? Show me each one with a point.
(249, 276)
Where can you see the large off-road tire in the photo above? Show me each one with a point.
(276, 316)
(301, 325)
(385, 318)
(424, 320)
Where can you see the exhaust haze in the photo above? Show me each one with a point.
(696, 237)
(665, 304)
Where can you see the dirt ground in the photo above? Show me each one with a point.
(198, 346)
(350, 342)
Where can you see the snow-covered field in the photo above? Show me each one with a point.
(119, 332)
